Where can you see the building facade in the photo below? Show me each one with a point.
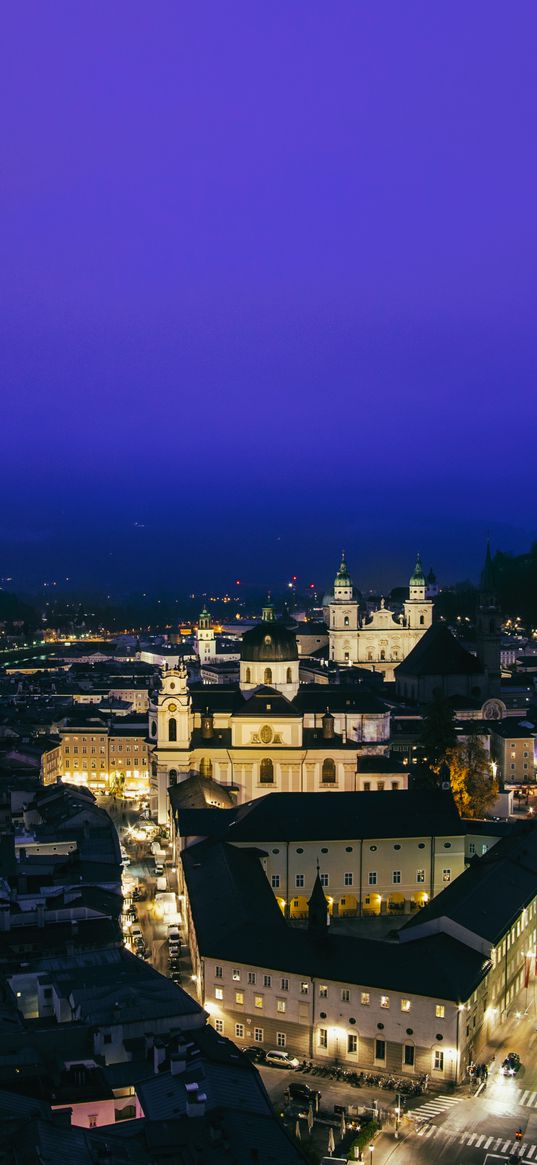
(266, 733)
(103, 756)
(370, 1004)
(381, 640)
(377, 854)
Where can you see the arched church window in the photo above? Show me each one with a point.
(267, 678)
(267, 771)
(328, 772)
(172, 728)
(206, 766)
(153, 728)
(248, 675)
(346, 621)
(172, 776)
(382, 653)
(289, 676)
(422, 620)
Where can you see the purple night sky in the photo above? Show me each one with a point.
(268, 288)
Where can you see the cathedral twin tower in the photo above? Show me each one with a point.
(381, 640)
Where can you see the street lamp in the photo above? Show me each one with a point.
(397, 1116)
(371, 1147)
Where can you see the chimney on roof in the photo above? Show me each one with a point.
(159, 1055)
(196, 1101)
(178, 1061)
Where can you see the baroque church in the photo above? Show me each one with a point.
(381, 640)
(268, 732)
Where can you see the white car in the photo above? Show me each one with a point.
(279, 1059)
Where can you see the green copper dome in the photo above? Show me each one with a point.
(417, 578)
(343, 571)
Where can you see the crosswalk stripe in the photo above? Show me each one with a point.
(527, 1151)
(532, 1098)
(524, 1096)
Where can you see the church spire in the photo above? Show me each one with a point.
(487, 580)
(417, 578)
(343, 570)
(317, 908)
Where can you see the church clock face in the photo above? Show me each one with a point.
(266, 734)
(172, 707)
(492, 710)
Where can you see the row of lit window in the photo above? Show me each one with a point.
(322, 1041)
(93, 765)
(372, 878)
(102, 750)
(345, 993)
(259, 1035)
(373, 848)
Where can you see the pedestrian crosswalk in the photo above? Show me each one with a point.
(433, 1107)
(524, 1150)
(528, 1099)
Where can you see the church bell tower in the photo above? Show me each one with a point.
(418, 608)
(488, 626)
(170, 732)
(343, 617)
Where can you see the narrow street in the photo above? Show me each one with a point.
(150, 901)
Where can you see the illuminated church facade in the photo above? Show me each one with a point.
(381, 640)
(267, 733)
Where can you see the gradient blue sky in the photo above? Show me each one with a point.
(268, 283)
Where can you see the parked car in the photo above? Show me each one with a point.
(251, 1052)
(304, 1094)
(511, 1064)
(279, 1059)
(136, 933)
(159, 869)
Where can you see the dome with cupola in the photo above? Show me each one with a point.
(269, 642)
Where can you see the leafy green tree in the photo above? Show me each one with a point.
(473, 787)
(438, 736)
(482, 787)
